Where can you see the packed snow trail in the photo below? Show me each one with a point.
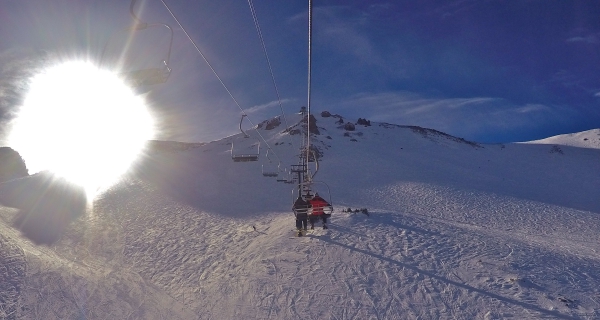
(390, 265)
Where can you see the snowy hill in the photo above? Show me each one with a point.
(456, 230)
(585, 139)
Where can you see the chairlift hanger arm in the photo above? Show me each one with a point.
(140, 25)
(242, 130)
(316, 165)
(147, 76)
(132, 12)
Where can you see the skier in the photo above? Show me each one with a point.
(301, 208)
(317, 203)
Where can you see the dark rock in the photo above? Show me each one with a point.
(312, 125)
(349, 126)
(425, 132)
(270, 124)
(12, 165)
(556, 149)
(363, 122)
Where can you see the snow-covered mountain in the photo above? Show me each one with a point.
(455, 229)
(585, 139)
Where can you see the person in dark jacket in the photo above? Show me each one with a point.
(301, 208)
(321, 210)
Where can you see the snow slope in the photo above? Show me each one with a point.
(585, 139)
(457, 230)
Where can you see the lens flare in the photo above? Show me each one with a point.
(82, 123)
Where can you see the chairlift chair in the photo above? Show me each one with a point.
(289, 179)
(147, 76)
(285, 177)
(311, 188)
(270, 173)
(245, 157)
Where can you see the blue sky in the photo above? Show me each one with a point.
(488, 71)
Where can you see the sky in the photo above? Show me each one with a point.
(487, 71)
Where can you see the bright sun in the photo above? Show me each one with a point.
(82, 123)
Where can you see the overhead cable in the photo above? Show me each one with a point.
(217, 75)
(262, 42)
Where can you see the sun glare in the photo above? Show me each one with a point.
(82, 123)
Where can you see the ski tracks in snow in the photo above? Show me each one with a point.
(390, 265)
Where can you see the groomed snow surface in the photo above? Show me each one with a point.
(456, 230)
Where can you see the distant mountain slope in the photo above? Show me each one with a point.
(585, 139)
(455, 229)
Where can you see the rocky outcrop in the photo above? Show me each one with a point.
(270, 124)
(12, 165)
(313, 125)
(349, 126)
(363, 122)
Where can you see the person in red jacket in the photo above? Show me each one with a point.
(320, 211)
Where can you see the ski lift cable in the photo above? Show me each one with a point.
(310, 9)
(264, 47)
(262, 42)
(202, 55)
(215, 73)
